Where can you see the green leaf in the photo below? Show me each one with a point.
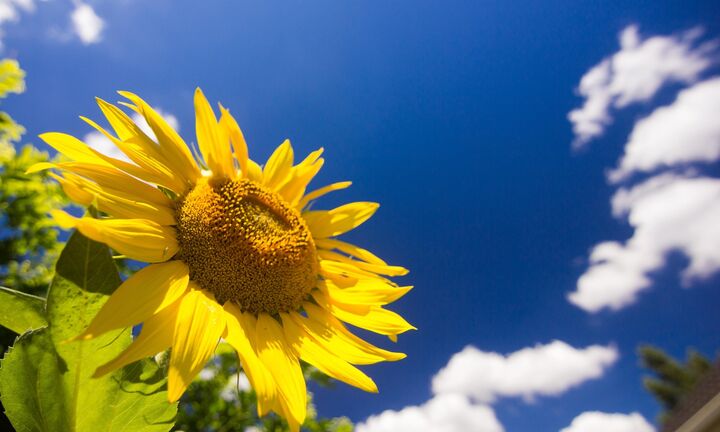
(20, 312)
(131, 399)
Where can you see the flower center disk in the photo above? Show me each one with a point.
(244, 244)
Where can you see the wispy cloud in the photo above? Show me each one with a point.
(88, 26)
(10, 12)
(595, 421)
(473, 379)
(635, 74)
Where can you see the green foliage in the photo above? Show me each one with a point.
(672, 380)
(12, 80)
(222, 401)
(28, 243)
(45, 380)
(20, 312)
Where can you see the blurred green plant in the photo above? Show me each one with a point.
(672, 379)
(221, 400)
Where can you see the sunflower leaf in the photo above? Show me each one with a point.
(20, 311)
(45, 380)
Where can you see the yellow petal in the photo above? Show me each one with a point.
(332, 334)
(254, 172)
(350, 249)
(170, 141)
(199, 325)
(277, 168)
(300, 176)
(116, 202)
(315, 354)
(237, 138)
(213, 142)
(156, 335)
(376, 319)
(364, 292)
(242, 339)
(320, 192)
(374, 268)
(345, 274)
(73, 191)
(283, 365)
(143, 295)
(138, 239)
(73, 148)
(339, 220)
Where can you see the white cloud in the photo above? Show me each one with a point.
(473, 379)
(443, 413)
(686, 131)
(549, 369)
(595, 421)
(669, 213)
(634, 74)
(10, 12)
(86, 23)
(99, 142)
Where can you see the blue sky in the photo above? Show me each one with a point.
(454, 116)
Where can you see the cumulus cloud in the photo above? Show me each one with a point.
(88, 26)
(473, 379)
(542, 370)
(668, 213)
(99, 142)
(635, 74)
(443, 413)
(686, 131)
(595, 421)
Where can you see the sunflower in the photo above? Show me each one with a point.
(234, 253)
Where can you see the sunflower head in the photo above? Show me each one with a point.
(234, 253)
(244, 244)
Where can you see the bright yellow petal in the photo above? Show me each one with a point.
(198, 328)
(283, 365)
(374, 268)
(242, 339)
(112, 178)
(140, 148)
(156, 335)
(345, 274)
(143, 295)
(300, 176)
(118, 203)
(254, 172)
(315, 354)
(170, 141)
(237, 138)
(339, 220)
(73, 148)
(320, 192)
(277, 168)
(364, 292)
(73, 191)
(350, 249)
(138, 239)
(376, 319)
(322, 326)
(213, 143)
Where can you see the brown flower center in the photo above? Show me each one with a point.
(244, 244)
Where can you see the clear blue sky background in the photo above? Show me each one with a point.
(450, 114)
